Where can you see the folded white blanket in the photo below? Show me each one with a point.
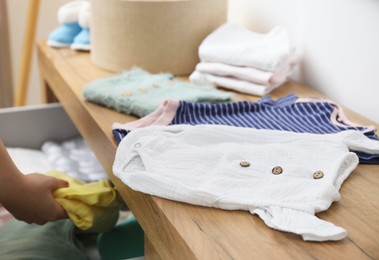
(245, 73)
(242, 86)
(232, 44)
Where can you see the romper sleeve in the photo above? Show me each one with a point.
(357, 141)
(310, 227)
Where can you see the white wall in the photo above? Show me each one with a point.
(339, 40)
(47, 21)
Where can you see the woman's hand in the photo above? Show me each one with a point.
(30, 198)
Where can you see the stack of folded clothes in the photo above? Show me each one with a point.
(245, 61)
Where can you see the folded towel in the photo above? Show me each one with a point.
(253, 75)
(232, 44)
(233, 83)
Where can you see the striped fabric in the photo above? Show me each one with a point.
(284, 114)
(289, 113)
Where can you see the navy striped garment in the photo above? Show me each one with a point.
(289, 113)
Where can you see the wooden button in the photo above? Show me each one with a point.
(244, 164)
(318, 175)
(277, 170)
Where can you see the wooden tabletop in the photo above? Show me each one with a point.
(175, 230)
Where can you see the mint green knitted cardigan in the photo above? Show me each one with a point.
(139, 93)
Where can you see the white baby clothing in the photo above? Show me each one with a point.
(250, 74)
(236, 58)
(235, 45)
(242, 86)
(283, 177)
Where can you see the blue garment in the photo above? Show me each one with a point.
(283, 114)
(287, 114)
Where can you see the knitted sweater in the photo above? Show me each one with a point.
(139, 93)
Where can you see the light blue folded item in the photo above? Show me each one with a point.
(139, 93)
(64, 35)
(82, 40)
(55, 240)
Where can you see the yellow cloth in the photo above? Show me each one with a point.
(91, 206)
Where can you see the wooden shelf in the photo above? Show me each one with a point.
(176, 230)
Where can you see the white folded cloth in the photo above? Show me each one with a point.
(253, 75)
(242, 86)
(235, 45)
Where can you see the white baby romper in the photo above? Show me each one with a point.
(284, 177)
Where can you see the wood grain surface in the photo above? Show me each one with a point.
(176, 230)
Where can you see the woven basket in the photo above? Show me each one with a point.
(155, 35)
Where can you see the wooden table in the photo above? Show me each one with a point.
(176, 230)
